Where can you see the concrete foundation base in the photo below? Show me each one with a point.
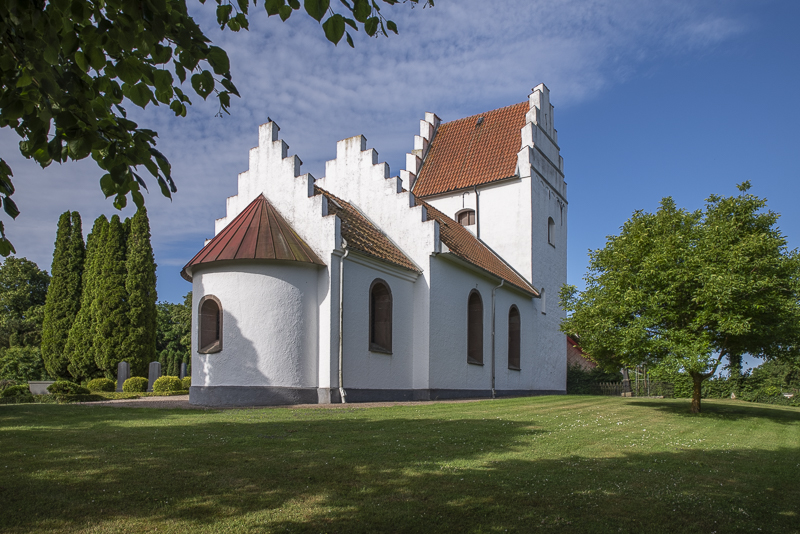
(276, 396)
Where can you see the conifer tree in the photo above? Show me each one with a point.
(141, 287)
(80, 348)
(111, 305)
(63, 294)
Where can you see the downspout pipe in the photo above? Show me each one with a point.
(342, 393)
(477, 212)
(493, 330)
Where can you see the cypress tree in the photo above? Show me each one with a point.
(80, 344)
(141, 287)
(64, 293)
(111, 305)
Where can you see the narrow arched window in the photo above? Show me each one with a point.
(466, 217)
(551, 231)
(475, 328)
(209, 325)
(513, 338)
(380, 317)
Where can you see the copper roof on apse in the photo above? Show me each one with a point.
(257, 233)
(362, 235)
(466, 246)
(470, 151)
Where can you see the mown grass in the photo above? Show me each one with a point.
(569, 464)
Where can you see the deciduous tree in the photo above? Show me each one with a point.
(682, 290)
(23, 289)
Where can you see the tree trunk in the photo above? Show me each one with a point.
(626, 383)
(697, 378)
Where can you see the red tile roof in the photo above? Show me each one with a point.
(257, 233)
(464, 153)
(466, 246)
(362, 235)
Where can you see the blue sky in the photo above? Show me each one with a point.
(652, 99)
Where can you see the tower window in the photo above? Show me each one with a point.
(551, 231)
(466, 217)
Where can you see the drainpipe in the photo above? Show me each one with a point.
(477, 212)
(493, 314)
(341, 317)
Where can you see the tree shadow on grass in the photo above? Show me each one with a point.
(733, 410)
(314, 471)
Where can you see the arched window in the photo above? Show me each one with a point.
(475, 328)
(513, 338)
(209, 331)
(466, 217)
(380, 317)
(551, 231)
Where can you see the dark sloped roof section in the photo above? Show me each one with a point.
(473, 151)
(466, 246)
(257, 233)
(362, 235)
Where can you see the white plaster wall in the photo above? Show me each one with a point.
(375, 370)
(357, 176)
(269, 323)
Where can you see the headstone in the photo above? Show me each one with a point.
(123, 373)
(183, 371)
(153, 374)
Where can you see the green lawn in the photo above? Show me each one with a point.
(569, 464)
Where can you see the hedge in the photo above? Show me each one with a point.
(101, 384)
(64, 387)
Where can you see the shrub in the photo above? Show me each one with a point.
(17, 391)
(65, 387)
(187, 382)
(135, 384)
(581, 381)
(166, 384)
(22, 364)
(101, 384)
(6, 382)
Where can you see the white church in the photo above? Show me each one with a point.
(362, 286)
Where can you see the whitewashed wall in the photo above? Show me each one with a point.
(269, 325)
(363, 368)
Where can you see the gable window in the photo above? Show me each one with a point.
(380, 317)
(551, 231)
(475, 328)
(209, 331)
(513, 338)
(466, 217)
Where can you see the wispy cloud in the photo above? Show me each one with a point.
(456, 59)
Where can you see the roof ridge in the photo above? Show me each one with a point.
(478, 115)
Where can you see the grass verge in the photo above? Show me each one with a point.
(568, 464)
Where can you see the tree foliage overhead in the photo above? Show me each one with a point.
(63, 294)
(682, 290)
(69, 67)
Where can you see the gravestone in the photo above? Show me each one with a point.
(123, 373)
(183, 371)
(153, 374)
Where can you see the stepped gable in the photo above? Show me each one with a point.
(257, 233)
(470, 151)
(362, 235)
(466, 246)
